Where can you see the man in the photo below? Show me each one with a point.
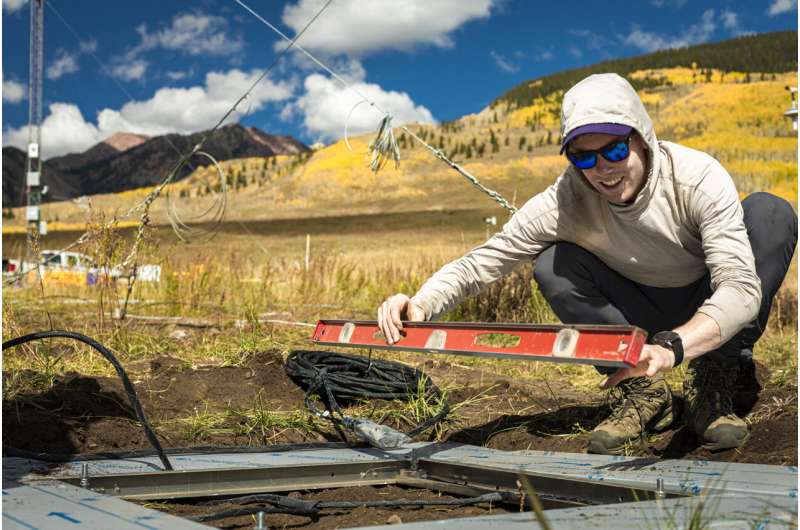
(638, 231)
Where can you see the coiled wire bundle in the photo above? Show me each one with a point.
(340, 379)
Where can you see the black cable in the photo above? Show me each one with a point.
(126, 382)
(281, 504)
(341, 379)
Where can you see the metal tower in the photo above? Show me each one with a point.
(33, 178)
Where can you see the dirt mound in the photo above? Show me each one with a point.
(83, 414)
(173, 389)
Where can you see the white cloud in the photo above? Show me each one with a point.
(181, 110)
(661, 3)
(778, 7)
(503, 63)
(695, 34)
(358, 27)
(65, 63)
(13, 92)
(133, 70)
(63, 131)
(543, 56)
(325, 106)
(192, 33)
(194, 108)
(593, 40)
(9, 6)
(189, 33)
(730, 20)
(177, 75)
(88, 46)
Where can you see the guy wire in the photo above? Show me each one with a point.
(384, 145)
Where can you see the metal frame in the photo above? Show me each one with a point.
(572, 487)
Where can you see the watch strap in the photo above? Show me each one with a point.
(671, 340)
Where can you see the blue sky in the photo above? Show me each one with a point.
(175, 66)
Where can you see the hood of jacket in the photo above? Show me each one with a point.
(610, 98)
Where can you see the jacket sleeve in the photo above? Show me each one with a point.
(716, 209)
(529, 231)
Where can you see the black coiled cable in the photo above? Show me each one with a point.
(126, 382)
(340, 379)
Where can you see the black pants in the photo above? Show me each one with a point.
(581, 289)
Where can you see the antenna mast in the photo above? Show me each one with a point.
(33, 177)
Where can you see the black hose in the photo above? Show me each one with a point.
(340, 379)
(281, 504)
(126, 382)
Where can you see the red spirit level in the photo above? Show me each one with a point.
(615, 346)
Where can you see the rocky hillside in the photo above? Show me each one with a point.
(126, 161)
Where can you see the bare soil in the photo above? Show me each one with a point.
(91, 414)
(348, 518)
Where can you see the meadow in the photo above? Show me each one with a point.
(224, 303)
(221, 303)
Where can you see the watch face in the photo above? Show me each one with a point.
(668, 339)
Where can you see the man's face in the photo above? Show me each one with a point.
(618, 182)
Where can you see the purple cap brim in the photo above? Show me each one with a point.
(598, 128)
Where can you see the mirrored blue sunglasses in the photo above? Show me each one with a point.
(613, 152)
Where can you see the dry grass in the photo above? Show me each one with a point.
(243, 277)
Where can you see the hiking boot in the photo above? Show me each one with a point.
(641, 405)
(747, 388)
(708, 390)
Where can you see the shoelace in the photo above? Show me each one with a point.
(624, 402)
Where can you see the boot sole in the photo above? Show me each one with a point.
(602, 443)
(730, 442)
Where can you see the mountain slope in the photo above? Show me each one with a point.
(148, 163)
(107, 168)
(61, 185)
(764, 52)
(108, 148)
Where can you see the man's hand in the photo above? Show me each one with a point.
(652, 360)
(393, 311)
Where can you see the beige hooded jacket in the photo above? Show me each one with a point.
(686, 220)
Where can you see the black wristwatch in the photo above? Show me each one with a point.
(672, 341)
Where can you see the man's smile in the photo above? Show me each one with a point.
(611, 184)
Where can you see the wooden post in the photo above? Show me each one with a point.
(308, 250)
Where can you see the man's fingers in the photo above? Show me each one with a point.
(391, 313)
(616, 378)
(395, 310)
(652, 368)
(650, 363)
(384, 322)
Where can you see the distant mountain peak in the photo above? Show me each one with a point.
(127, 160)
(122, 141)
